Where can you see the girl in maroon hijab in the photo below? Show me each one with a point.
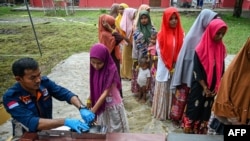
(104, 90)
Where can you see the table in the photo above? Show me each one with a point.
(109, 137)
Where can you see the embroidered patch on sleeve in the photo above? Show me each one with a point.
(12, 104)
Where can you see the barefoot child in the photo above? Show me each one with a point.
(143, 79)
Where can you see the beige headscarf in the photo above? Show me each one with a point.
(127, 21)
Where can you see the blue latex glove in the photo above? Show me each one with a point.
(87, 115)
(76, 125)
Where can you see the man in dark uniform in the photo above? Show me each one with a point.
(29, 101)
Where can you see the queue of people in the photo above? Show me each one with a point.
(183, 76)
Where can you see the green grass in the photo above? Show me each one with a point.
(59, 40)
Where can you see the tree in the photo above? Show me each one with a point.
(238, 8)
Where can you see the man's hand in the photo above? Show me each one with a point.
(87, 115)
(76, 125)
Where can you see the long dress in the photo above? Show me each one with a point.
(182, 76)
(208, 70)
(140, 49)
(162, 94)
(198, 105)
(105, 88)
(168, 45)
(114, 116)
(127, 27)
(110, 40)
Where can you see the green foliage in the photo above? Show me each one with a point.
(4, 10)
(237, 34)
(103, 11)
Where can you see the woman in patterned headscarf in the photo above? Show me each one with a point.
(134, 85)
(169, 42)
(141, 39)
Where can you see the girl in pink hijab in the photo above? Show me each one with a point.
(207, 72)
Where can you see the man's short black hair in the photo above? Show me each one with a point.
(23, 64)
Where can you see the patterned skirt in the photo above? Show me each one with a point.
(115, 118)
(162, 100)
(152, 89)
(179, 102)
(134, 84)
(194, 126)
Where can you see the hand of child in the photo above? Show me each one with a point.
(137, 68)
(135, 63)
(150, 44)
(172, 71)
(89, 103)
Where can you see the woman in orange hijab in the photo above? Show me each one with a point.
(110, 38)
(169, 42)
(231, 105)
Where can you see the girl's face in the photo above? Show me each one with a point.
(144, 20)
(173, 21)
(121, 9)
(144, 66)
(153, 39)
(96, 63)
(220, 34)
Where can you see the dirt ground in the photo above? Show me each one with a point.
(73, 73)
